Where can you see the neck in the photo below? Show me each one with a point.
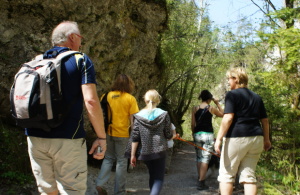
(66, 44)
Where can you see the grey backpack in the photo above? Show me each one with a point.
(36, 98)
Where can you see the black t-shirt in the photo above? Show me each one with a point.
(248, 109)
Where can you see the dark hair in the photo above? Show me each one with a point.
(205, 95)
(123, 83)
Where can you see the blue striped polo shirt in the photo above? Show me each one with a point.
(76, 70)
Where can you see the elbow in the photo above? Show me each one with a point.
(228, 118)
(91, 103)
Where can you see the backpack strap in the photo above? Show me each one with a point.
(104, 100)
(65, 54)
(74, 100)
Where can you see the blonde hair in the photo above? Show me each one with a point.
(152, 99)
(240, 75)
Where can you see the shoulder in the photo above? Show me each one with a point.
(164, 114)
(195, 108)
(83, 57)
(254, 94)
(232, 93)
(160, 113)
(129, 97)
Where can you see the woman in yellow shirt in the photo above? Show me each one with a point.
(123, 105)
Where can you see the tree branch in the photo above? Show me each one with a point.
(178, 78)
(271, 4)
(271, 19)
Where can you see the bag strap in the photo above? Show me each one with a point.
(74, 100)
(65, 54)
(202, 113)
(109, 112)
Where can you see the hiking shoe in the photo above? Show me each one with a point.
(202, 186)
(101, 191)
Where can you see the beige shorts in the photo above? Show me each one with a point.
(59, 164)
(240, 156)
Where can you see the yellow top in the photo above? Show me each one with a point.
(122, 105)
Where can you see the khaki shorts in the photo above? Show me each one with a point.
(240, 156)
(59, 164)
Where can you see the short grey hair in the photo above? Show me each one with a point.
(62, 31)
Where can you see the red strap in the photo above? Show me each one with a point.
(191, 143)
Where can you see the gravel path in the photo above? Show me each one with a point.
(181, 179)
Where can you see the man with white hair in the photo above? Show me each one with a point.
(59, 157)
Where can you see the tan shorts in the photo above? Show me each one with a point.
(240, 156)
(59, 164)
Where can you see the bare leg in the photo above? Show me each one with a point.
(226, 188)
(250, 189)
(203, 171)
(198, 169)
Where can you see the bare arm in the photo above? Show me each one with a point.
(95, 115)
(134, 146)
(193, 121)
(218, 112)
(174, 134)
(225, 124)
(266, 131)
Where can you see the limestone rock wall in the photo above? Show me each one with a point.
(120, 36)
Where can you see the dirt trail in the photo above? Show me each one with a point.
(181, 179)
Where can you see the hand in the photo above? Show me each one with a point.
(174, 136)
(177, 136)
(267, 145)
(218, 144)
(216, 101)
(93, 150)
(133, 161)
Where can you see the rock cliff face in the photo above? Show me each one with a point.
(120, 36)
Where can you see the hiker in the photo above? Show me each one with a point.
(243, 137)
(148, 140)
(203, 133)
(170, 149)
(123, 105)
(59, 157)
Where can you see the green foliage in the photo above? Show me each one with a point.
(287, 15)
(190, 58)
(271, 189)
(15, 177)
(276, 183)
(15, 165)
(195, 56)
(280, 82)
